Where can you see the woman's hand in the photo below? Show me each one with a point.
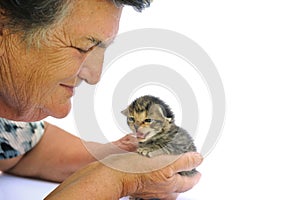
(127, 143)
(164, 183)
(131, 174)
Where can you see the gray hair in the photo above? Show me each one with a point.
(33, 18)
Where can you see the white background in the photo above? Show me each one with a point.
(255, 46)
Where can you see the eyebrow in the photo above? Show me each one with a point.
(99, 43)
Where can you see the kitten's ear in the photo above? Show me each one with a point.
(169, 119)
(125, 112)
(155, 109)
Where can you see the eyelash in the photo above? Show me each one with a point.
(84, 51)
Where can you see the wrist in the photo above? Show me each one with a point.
(131, 185)
(111, 182)
(96, 181)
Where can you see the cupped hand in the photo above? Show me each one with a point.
(155, 177)
(131, 174)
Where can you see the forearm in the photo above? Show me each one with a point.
(57, 155)
(87, 184)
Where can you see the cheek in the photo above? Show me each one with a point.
(51, 70)
(64, 63)
(131, 126)
(156, 125)
(148, 127)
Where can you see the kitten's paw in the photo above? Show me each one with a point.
(134, 198)
(137, 198)
(145, 152)
(188, 173)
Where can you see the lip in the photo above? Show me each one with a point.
(69, 88)
(142, 136)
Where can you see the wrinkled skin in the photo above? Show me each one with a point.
(162, 181)
(39, 82)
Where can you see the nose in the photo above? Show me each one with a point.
(136, 126)
(92, 66)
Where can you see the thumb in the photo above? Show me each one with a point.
(187, 162)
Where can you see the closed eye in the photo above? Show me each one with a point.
(84, 51)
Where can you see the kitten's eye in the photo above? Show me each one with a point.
(148, 120)
(130, 119)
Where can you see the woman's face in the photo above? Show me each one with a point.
(39, 82)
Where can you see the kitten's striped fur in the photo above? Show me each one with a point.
(152, 121)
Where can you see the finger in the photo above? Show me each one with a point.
(171, 197)
(130, 138)
(185, 183)
(187, 162)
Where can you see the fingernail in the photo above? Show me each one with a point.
(198, 157)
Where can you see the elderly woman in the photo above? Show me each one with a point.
(47, 47)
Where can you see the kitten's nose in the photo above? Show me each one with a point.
(136, 127)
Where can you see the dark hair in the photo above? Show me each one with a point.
(32, 16)
(138, 5)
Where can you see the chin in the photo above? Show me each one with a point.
(60, 111)
(60, 115)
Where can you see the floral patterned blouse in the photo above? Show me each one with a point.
(17, 138)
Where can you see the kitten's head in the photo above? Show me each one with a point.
(148, 116)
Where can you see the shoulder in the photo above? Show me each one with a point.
(10, 126)
(16, 138)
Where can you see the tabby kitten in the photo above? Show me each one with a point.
(152, 121)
